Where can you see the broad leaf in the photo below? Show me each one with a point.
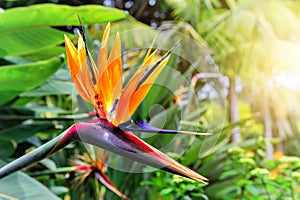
(32, 32)
(6, 147)
(16, 79)
(51, 87)
(45, 53)
(21, 132)
(10, 117)
(28, 40)
(21, 186)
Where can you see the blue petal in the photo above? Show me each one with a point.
(145, 127)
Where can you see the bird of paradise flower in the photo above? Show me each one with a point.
(101, 85)
(93, 166)
(87, 168)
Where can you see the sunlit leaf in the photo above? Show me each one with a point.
(15, 79)
(33, 33)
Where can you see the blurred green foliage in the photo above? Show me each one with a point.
(38, 102)
(248, 175)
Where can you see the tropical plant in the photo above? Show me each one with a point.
(101, 86)
(164, 91)
(32, 38)
(32, 54)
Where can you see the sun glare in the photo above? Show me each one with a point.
(288, 79)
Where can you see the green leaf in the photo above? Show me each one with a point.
(21, 186)
(32, 32)
(6, 147)
(165, 118)
(51, 87)
(222, 189)
(252, 189)
(228, 174)
(23, 131)
(162, 91)
(27, 41)
(203, 196)
(10, 117)
(57, 15)
(45, 53)
(48, 163)
(22, 101)
(165, 192)
(59, 190)
(189, 187)
(15, 79)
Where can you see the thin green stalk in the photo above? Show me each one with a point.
(56, 171)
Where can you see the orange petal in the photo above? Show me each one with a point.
(103, 82)
(143, 90)
(111, 78)
(76, 60)
(146, 82)
(84, 75)
(102, 57)
(110, 71)
(115, 68)
(72, 56)
(122, 110)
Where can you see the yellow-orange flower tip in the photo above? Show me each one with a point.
(72, 55)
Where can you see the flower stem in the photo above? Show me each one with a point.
(39, 153)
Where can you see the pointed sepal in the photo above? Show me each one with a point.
(102, 178)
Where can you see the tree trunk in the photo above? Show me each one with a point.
(278, 146)
(234, 114)
(267, 120)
